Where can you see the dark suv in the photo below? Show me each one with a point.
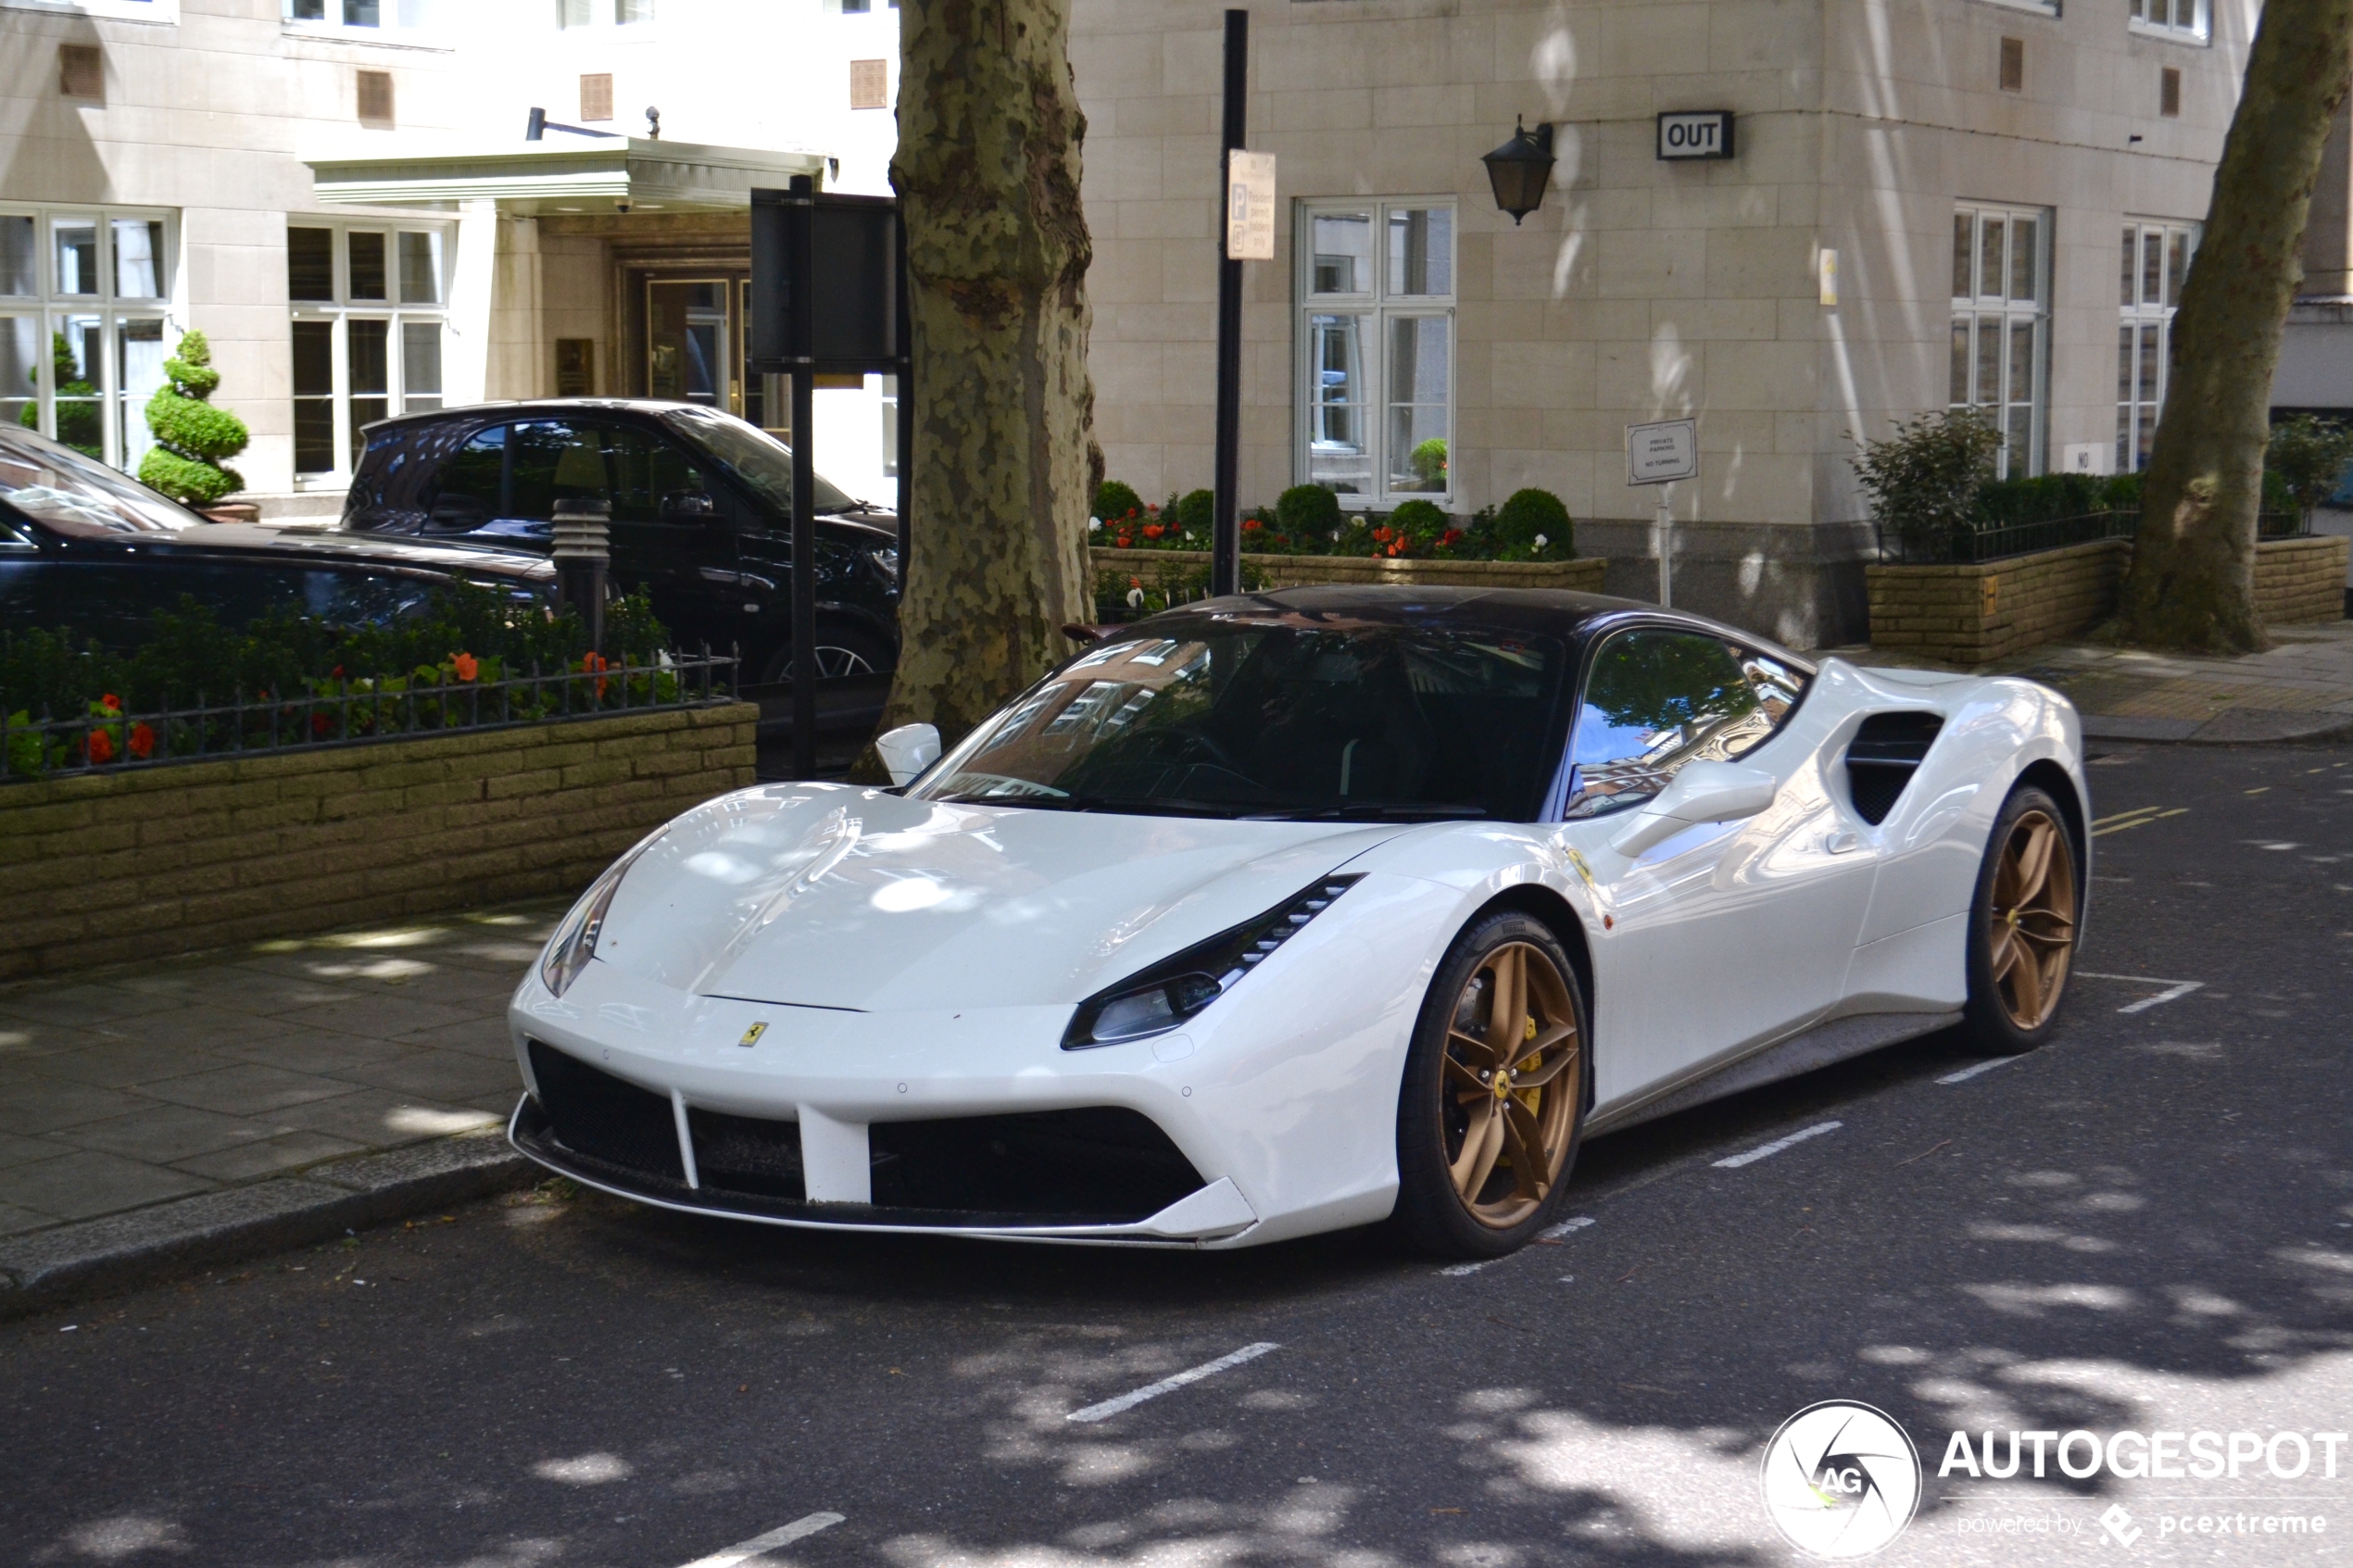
(701, 516)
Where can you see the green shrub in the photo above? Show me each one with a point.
(193, 437)
(1196, 515)
(1527, 516)
(79, 424)
(2122, 492)
(1115, 501)
(1422, 523)
(1307, 511)
(1923, 480)
(2308, 458)
(1430, 462)
(2041, 499)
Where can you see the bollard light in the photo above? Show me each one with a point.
(1521, 169)
(582, 531)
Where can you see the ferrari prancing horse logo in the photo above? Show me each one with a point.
(751, 1035)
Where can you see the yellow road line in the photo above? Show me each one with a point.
(2140, 822)
(2137, 811)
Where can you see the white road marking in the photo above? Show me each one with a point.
(1765, 1151)
(2174, 989)
(1457, 1271)
(1110, 1408)
(747, 1554)
(1554, 1233)
(1966, 1074)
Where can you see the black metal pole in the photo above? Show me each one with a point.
(1225, 558)
(905, 424)
(802, 307)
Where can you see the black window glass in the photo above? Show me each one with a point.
(1655, 699)
(368, 270)
(1276, 719)
(471, 482)
(361, 599)
(311, 264)
(647, 471)
(553, 461)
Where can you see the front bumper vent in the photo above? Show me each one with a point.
(606, 1118)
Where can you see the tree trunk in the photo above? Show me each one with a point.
(2193, 580)
(997, 251)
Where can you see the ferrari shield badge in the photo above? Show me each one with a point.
(751, 1035)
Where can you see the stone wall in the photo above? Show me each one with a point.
(2300, 580)
(105, 867)
(1583, 576)
(1975, 614)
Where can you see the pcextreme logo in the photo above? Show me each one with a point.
(1841, 1479)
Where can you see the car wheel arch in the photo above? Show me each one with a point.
(1549, 908)
(2048, 775)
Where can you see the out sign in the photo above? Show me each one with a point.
(1695, 133)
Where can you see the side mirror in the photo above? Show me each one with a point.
(1703, 792)
(687, 505)
(907, 751)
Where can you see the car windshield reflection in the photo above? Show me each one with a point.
(1289, 718)
(754, 456)
(53, 484)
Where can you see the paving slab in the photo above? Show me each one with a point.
(276, 1092)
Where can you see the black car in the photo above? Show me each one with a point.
(85, 549)
(701, 516)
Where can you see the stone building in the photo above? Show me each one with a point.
(341, 194)
(1929, 202)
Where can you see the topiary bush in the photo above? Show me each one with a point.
(1115, 501)
(77, 402)
(2310, 457)
(192, 435)
(1430, 462)
(1307, 511)
(1196, 515)
(1533, 525)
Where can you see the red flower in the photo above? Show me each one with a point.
(1252, 525)
(336, 674)
(1124, 541)
(112, 701)
(1450, 537)
(101, 747)
(467, 665)
(1398, 548)
(1152, 507)
(1154, 531)
(595, 664)
(321, 724)
(142, 742)
(1383, 535)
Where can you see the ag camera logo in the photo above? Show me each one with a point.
(1841, 1479)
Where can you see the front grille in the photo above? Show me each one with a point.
(746, 1154)
(1109, 1163)
(598, 1115)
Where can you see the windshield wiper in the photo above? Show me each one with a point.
(1377, 813)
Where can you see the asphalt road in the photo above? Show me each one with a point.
(2147, 1224)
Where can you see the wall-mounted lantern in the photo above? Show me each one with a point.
(1521, 169)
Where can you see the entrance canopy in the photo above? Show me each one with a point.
(562, 174)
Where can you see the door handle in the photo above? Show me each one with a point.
(1839, 842)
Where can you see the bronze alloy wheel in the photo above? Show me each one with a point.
(2029, 935)
(1512, 1081)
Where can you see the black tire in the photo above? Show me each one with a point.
(2031, 938)
(1435, 1105)
(841, 650)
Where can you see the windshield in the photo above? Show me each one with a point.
(754, 456)
(1289, 718)
(55, 484)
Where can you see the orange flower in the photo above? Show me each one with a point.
(112, 701)
(1398, 548)
(142, 742)
(1124, 541)
(1154, 531)
(1252, 525)
(595, 664)
(101, 747)
(467, 664)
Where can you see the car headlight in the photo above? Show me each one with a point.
(1172, 990)
(885, 562)
(575, 940)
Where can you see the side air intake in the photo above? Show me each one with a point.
(1883, 758)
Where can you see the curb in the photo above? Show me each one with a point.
(2230, 727)
(47, 1268)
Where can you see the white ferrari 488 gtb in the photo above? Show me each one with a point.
(1285, 912)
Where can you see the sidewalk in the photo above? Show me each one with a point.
(159, 1111)
(2299, 689)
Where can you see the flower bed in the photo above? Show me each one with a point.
(1308, 520)
(1131, 583)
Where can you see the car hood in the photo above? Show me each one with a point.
(833, 896)
(375, 549)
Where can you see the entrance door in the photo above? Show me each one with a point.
(691, 336)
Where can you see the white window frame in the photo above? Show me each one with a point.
(2145, 328)
(342, 310)
(1996, 309)
(425, 30)
(604, 17)
(2200, 31)
(50, 310)
(1382, 307)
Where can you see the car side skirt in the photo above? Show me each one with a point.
(1818, 1045)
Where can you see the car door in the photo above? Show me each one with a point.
(1728, 934)
(673, 530)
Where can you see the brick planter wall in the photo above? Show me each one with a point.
(102, 868)
(2300, 580)
(1582, 576)
(1974, 614)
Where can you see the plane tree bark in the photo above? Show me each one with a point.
(2192, 585)
(987, 170)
